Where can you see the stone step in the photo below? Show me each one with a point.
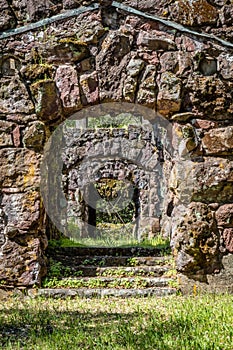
(101, 261)
(106, 251)
(114, 282)
(101, 292)
(118, 271)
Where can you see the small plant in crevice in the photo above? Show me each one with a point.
(58, 270)
(132, 261)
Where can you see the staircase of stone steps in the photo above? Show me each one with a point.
(99, 272)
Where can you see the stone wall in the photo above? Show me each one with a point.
(107, 55)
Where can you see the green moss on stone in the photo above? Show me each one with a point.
(73, 41)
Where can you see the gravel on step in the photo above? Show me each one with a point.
(92, 271)
(100, 292)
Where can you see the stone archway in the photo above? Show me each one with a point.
(51, 72)
(85, 156)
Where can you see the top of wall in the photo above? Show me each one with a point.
(212, 16)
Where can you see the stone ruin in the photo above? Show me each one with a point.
(174, 57)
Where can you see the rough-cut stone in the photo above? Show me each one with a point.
(68, 86)
(219, 282)
(33, 10)
(228, 239)
(16, 134)
(22, 211)
(3, 223)
(23, 264)
(209, 96)
(226, 14)
(190, 45)
(135, 66)
(169, 96)
(34, 136)
(110, 65)
(155, 41)
(179, 63)
(196, 240)
(147, 88)
(193, 12)
(37, 10)
(19, 169)
(14, 97)
(7, 19)
(129, 89)
(10, 65)
(224, 215)
(184, 139)
(169, 62)
(212, 181)
(70, 4)
(47, 101)
(218, 141)
(6, 133)
(92, 31)
(204, 124)
(37, 71)
(226, 65)
(68, 50)
(157, 7)
(89, 88)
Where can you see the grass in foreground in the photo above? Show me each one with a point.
(203, 322)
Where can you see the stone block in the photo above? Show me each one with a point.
(195, 12)
(14, 97)
(195, 239)
(6, 133)
(155, 40)
(66, 80)
(225, 63)
(47, 101)
(20, 169)
(218, 141)
(224, 215)
(7, 19)
(169, 96)
(228, 239)
(89, 88)
(147, 88)
(34, 136)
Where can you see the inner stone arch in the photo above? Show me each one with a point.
(85, 201)
(132, 154)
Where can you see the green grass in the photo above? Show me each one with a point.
(111, 235)
(189, 323)
(158, 242)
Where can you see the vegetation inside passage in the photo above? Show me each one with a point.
(115, 213)
(197, 322)
(122, 120)
(158, 242)
(117, 206)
